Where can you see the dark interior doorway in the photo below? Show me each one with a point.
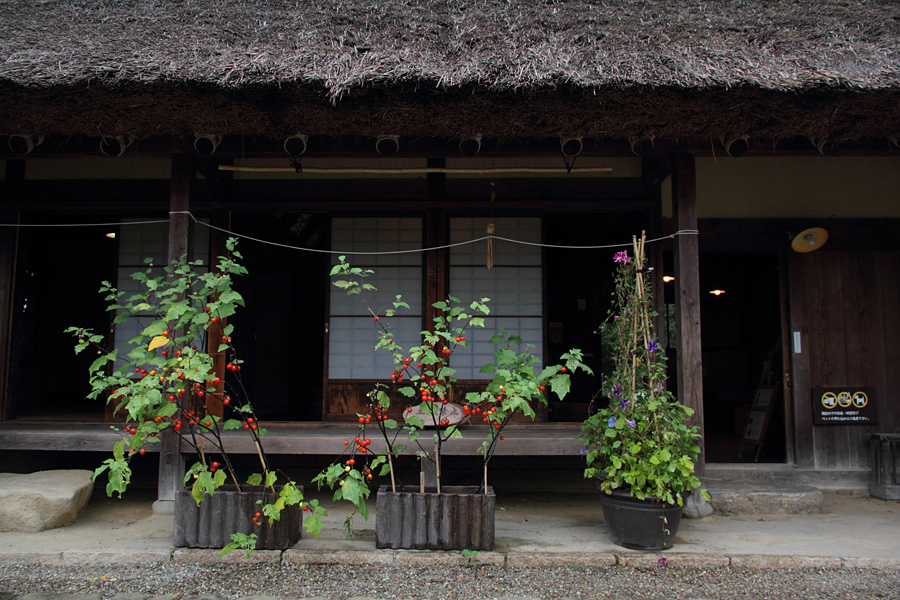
(58, 273)
(579, 286)
(281, 332)
(741, 340)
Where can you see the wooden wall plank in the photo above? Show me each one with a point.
(845, 304)
(802, 296)
(864, 327)
(344, 399)
(889, 395)
(829, 360)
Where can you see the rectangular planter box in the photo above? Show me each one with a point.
(884, 481)
(456, 519)
(228, 511)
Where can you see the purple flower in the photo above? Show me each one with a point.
(612, 422)
(617, 392)
(623, 403)
(630, 424)
(583, 451)
(622, 257)
(652, 347)
(662, 560)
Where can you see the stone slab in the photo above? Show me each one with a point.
(787, 561)
(337, 557)
(115, 557)
(749, 499)
(43, 500)
(203, 556)
(560, 560)
(59, 596)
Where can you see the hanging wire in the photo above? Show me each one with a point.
(351, 252)
(115, 224)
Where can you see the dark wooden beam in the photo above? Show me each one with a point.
(328, 195)
(463, 194)
(687, 293)
(236, 146)
(546, 439)
(171, 461)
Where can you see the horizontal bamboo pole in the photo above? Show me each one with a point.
(413, 170)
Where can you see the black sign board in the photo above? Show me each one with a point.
(844, 406)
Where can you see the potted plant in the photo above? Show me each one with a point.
(167, 383)
(640, 447)
(417, 397)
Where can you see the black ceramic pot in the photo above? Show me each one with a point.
(640, 524)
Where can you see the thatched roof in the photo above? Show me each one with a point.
(450, 67)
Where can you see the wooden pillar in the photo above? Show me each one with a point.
(687, 293)
(222, 188)
(171, 462)
(12, 190)
(435, 274)
(654, 171)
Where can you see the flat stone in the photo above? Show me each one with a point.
(210, 556)
(869, 562)
(58, 596)
(554, 560)
(338, 557)
(115, 557)
(786, 561)
(44, 500)
(750, 499)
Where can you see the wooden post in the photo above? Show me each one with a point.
(171, 462)
(687, 294)
(9, 236)
(654, 171)
(436, 271)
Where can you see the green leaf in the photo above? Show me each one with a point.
(102, 360)
(351, 491)
(560, 386)
(415, 421)
(313, 524)
(254, 479)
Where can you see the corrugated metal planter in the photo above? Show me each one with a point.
(458, 518)
(228, 511)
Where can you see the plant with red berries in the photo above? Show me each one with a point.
(417, 394)
(167, 384)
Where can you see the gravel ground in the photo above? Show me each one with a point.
(450, 583)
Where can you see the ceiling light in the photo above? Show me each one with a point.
(717, 292)
(809, 239)
(668, 278)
